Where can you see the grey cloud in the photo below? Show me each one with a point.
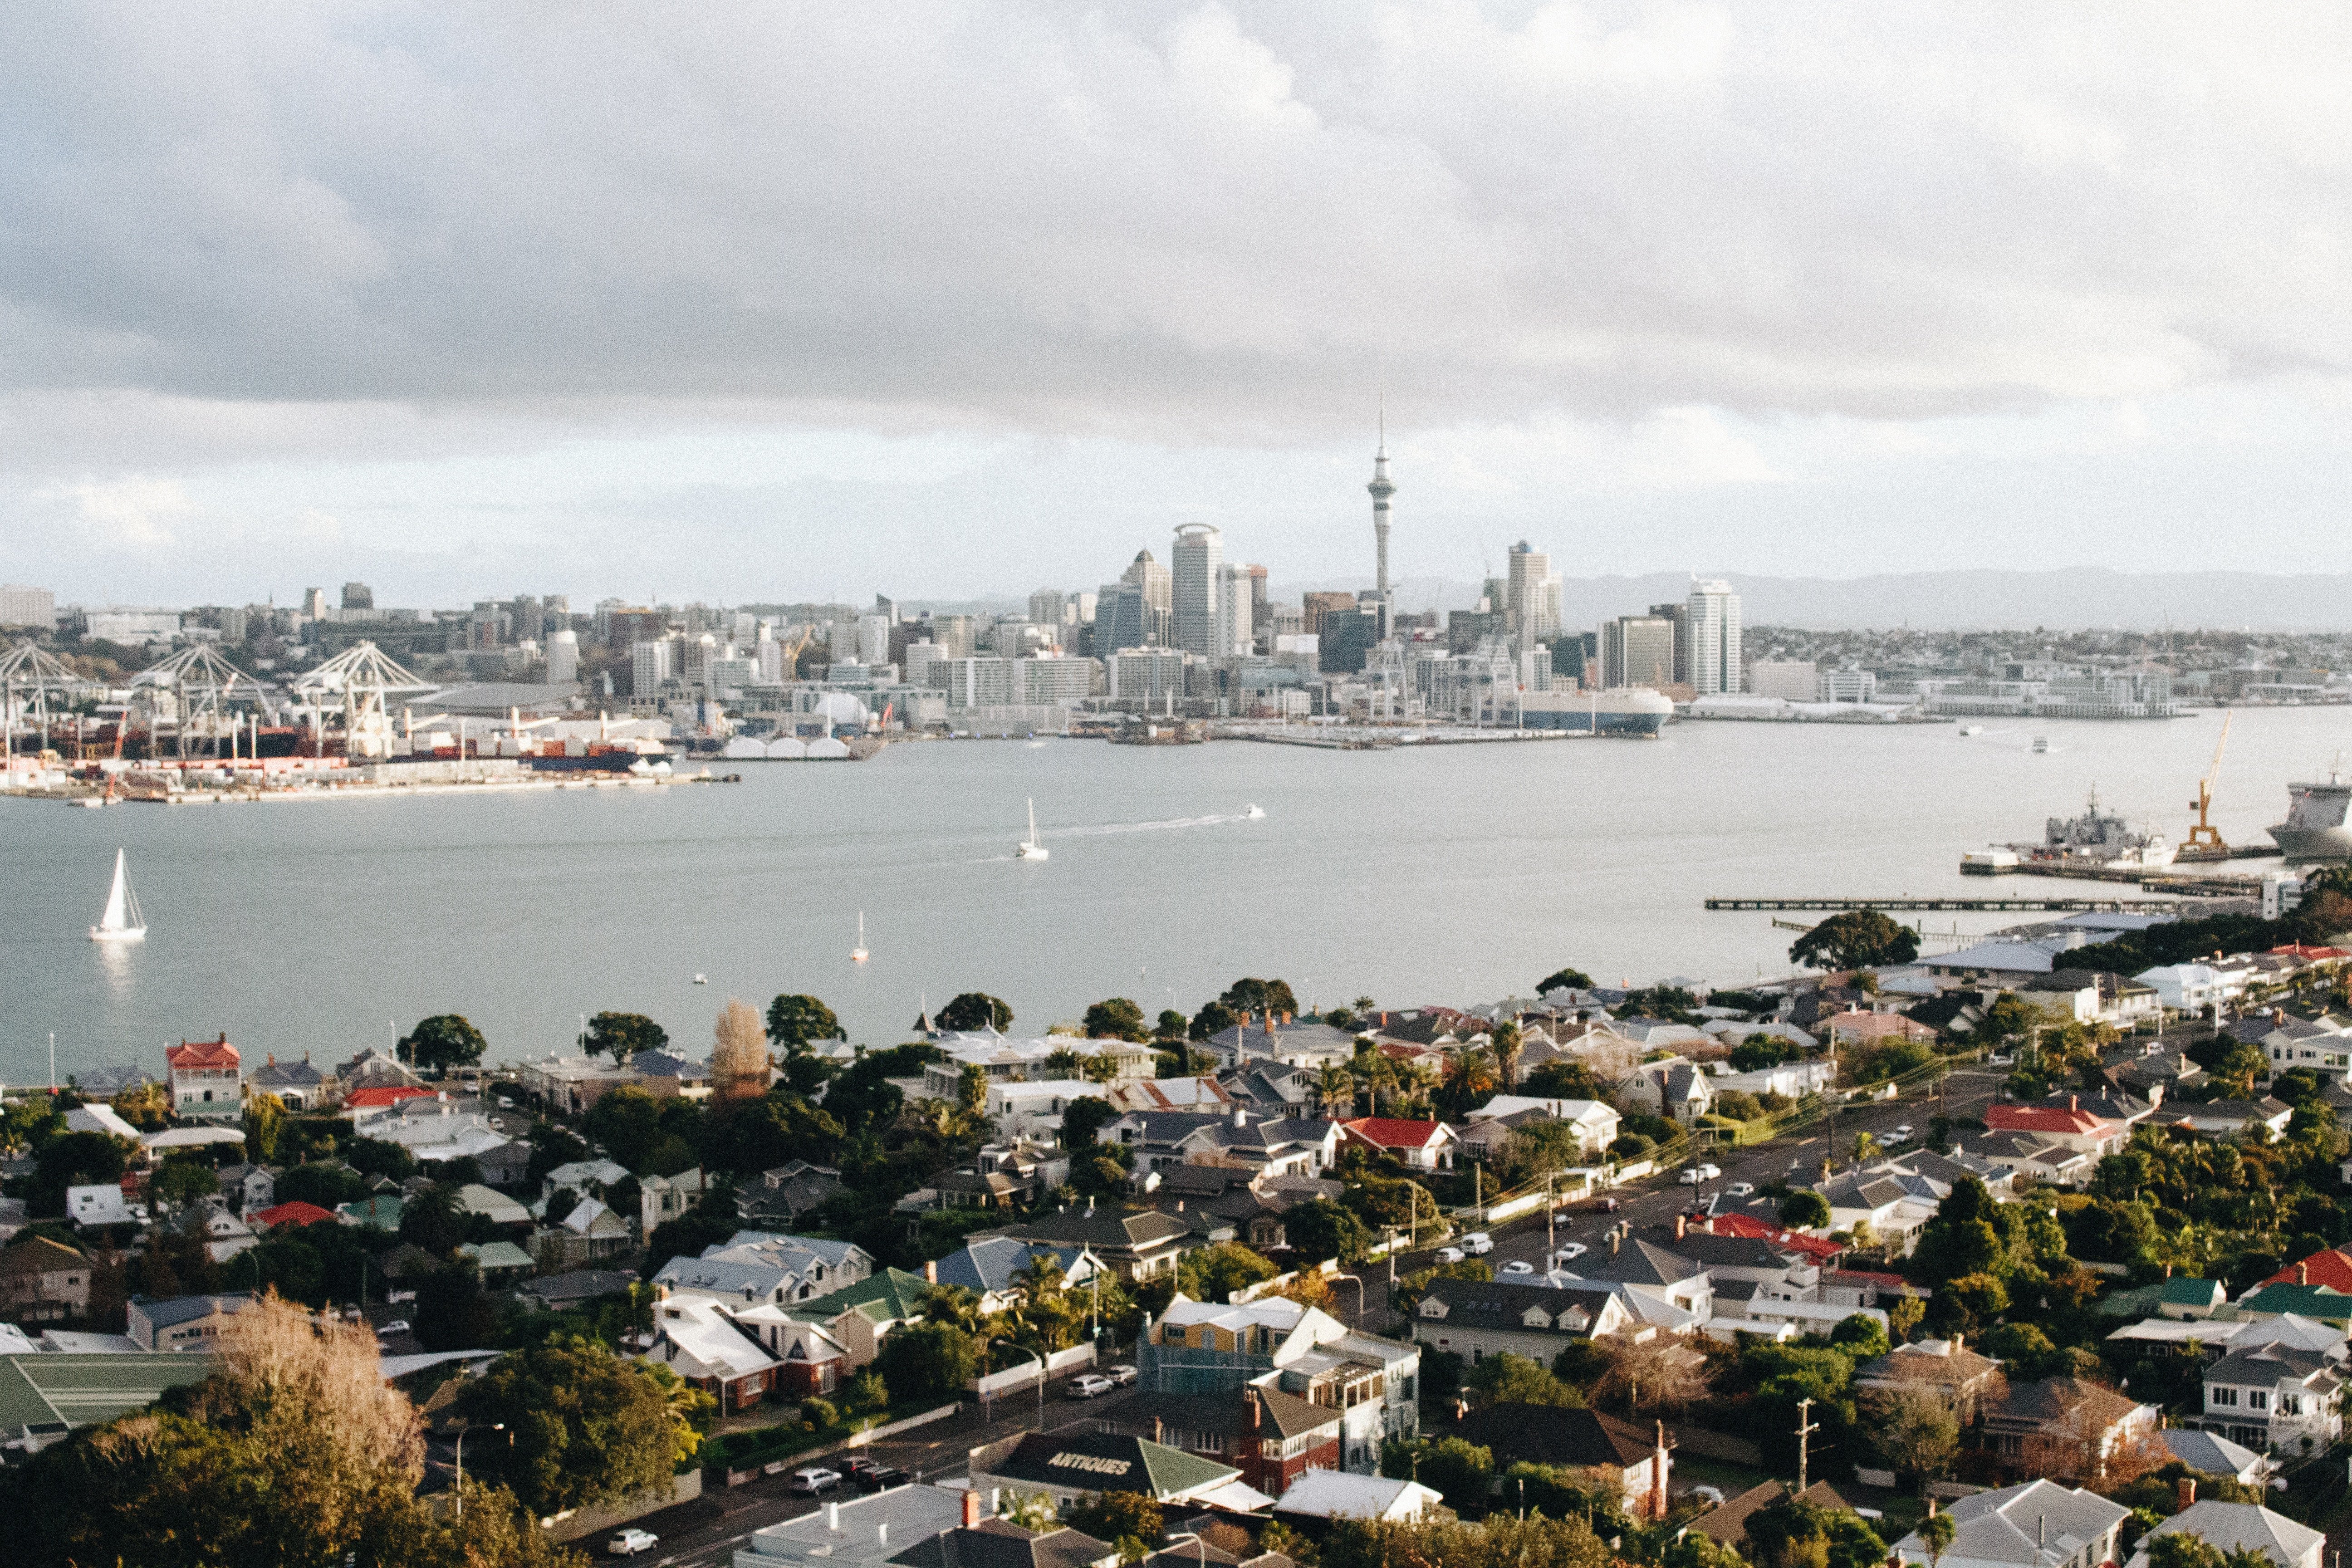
(1165, 221)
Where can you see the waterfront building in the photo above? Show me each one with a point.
(207, 1078)
(1677, 616)
(1146, 677)
(1714, 623)
(563, 658)
(1237, 628)
(1637, 651)
(1198, 557)
(1791, 681)
(22, 607)
(1122, 620)
(650, 666)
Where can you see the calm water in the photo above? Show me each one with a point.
(1456, 874)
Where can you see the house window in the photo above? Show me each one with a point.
(2258, 1399)
(2222, 1397)
(2290, 1404)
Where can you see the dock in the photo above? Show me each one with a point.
(1927, 906)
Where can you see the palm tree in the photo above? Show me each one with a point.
(1469, 1077)
(952, 1305)
(1506, 1046)
(1335, 1086)
(1373, 1070)
(1935, 1532)
(1416, 1082)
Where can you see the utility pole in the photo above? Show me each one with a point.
(1806, 1427)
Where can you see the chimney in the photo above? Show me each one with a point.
(1682, 1225)
(2303, 1273)
(1157, 1428)
(1255, 1413)
(1241, 1117)
(2074, 1102)
(2188, 1486)
(1658, 1475)
(1179, 1205)
(1614, 1237)
(932, 1271)
(970, 1506)
(882, 1533)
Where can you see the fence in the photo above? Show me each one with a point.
(1029, 1374)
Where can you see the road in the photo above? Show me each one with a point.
(706, 1532)
(1652, 1203)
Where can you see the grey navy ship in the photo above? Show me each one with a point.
(2314, 828)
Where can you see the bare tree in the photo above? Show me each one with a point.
(1913, 1432)
(739, 1054)
(1658, 1372)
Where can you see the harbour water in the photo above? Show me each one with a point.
(1449, 874)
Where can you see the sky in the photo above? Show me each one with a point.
(754, 302)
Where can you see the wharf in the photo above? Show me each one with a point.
(1923, 906)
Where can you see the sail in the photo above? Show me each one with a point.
(116, 899)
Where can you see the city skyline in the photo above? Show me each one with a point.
(1658, 288)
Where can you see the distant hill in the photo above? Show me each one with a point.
(2066, 599)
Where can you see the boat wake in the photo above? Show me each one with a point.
(1104, 829)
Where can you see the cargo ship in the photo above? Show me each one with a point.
(2314, 828)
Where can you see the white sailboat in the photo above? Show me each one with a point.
(857, 955)
(1029, 848)
(122, 920)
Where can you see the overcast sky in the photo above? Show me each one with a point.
(751, 302)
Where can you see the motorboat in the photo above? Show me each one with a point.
(1252, 812)
(122, 920)
(857, 955)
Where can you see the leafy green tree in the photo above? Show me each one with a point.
(443, 1041)
(1913, 1432)
(588, 1427)
(323, 1182)
(1972, 1301)
(1464, 1473)
(1116, 1019)
(1214, 1273)
(1261, 997)
(452, 1311)
(182, 1182)
(1782, 1532)
(1759, 1051)
(1856, 939)
(1508, 1379)
(799, 1020)
(778, 1128)
(1171, 1025)
(1935, 1532)
(622, 1036)
(975, 1010)
(1804, 1209)
(1564, 979)
(2182, 1549)
(1083, 1117)
(1861, 1336)
(1214, 1018)
(928, 1361)
(1119, 1516)
(73, 1160)
(627, 1121)
(432, 1220)
(265, 1123)
(1320, 1229)
(376, 1157)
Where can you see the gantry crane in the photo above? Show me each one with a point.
(2204, 838)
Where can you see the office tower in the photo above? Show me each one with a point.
(235, 623)
(22, 607)
(925, 664)
(770, 656)
(650, 664)
(874, 639)
(1714, 627)
(1198, 556)
(1050, 607)
(887, 607)
(1465, 629)
(1381, 490)
(358, 597)
(1121, 620)
(1314, 606)
(1158, 592)
(563, 658)
(1530, 607)
(314, 603)
(1084, 605)
(1055, 682)
(1637, 651)
(1348, 637)
(1260, 613)
(958, 635)
(1678, 616)
(1236, 629)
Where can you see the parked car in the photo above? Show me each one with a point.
(1120, 1374)
(1903, 1132)
(1710, 1495)
(397, 1326)
(856, 1469)
(1741, 1189)
(877, 1476)
(1710, 1173)
(629, 1542)
(1569, 1252)
(1690, 1177)
(2000, 1059)
(1450, 1255)
(505, 1103)
(1477, 1244)
(813, 1480)
(1087, 1385)
(1519, 1267)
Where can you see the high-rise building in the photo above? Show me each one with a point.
(925, 664)
(1531, 598)
(1050, 607)
(1677, 616)
(314, 603)
(651, 664)
(21, 606)
(1198, 556)
(1714, 626)
(563, 658)
(1146, 677)
(873, 638)
(1236, 629)
(1121, 619)
(1637, 651)
(770, 655)
(1348, 639)
(1261, 611)
(1144, 572)
(358, 597)
(1314, 606)
(958, 635)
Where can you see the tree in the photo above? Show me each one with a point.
(1117, 1516)
(1117, 1019)
(1507, 1379)
(433, 1221)
(738, 1054)
(1320, 1229)
(1857, 939)
(1214, 1018)
(975, 1010)
(1915, 1433)
(928, 1361)
(627, 1121)
(265, 1123)
(1246, 996)
(73, 1160)
(1563, 979)
(182, 1182)
(799, 1020)
(1860, 1336)
(1214, 1273)
(1804, 1209)
(452, 1312)
(1935, 1532)
(443, 1041)
(1083, 1117)
(1171, 1027)
(378, 1157)
(2178, 1549)
(1462, 1472)
(1904, 1316)
(588, 1427)
(622, 1036)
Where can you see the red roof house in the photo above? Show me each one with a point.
(2082, 1130)
(295, 1213)
(380, 1099)
(1817, 1248)
(207, 1077)
(1424, 1145)
(2332, 1268)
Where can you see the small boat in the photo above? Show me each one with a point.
(122, 920)
(1968, 730)
(1252, 811)
(702, 980)
(2041, 745)
(1031, 848)
(857, 955)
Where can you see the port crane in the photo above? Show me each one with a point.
(2205, 837)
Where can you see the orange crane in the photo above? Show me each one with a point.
(2205, 840)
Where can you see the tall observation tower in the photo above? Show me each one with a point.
(1381, 490)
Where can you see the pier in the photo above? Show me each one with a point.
(1925, 906)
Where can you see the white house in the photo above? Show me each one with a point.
(2037, 1525)
(2274, 1397)
(1595, 1121)
(2239, 1526)
(1032, 1108)
(2187, 987)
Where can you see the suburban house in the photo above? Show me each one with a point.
(42, 1280)
(2277, 1399)
(2322, 1045)
(861, 1533)
(2210, 1454)
(785, 1193)
(299, 1086)
(2264, 1121)
(661, 1199)
(1418, 1146)
(997, 1270)
(223, 1235)
(572, 1084)
(1222, 1204)
(694, 1339)
(1672, 1089)
(1068, 1466)
(1668, 1288)
(206, 1079)
(102, 1203)
(1137, 1245)
(1193, 1094)
(2071, 1123)
(2189, 987)
(751, 1266)
(1031, 1107)
(999, 1176)
(1198, 1347)
(2031, 1156)
(1475, 1319)
(1284, 1146)
(1320, 1498)
(1956, 1376)
(2090, 996)
(1595, 1121)
(2232, 1527)
(248, 1187)
(2067, 1429)
(1272, 1438)
(180, 1323)
(2037, 1525)
(1601, 1453)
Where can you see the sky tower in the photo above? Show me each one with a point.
(1381, 490)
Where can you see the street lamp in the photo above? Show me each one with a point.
(1040, 1360)
(1199, 1548)
(494, 1426)
(1359, 1284)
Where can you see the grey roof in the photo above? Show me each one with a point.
(1639, 1263)
(580, 1285)
(175, 1309)
(291, 1075)
(667, 1064)
(1284, 1415)
(2037, 1525)
(2208, 1453)
(1501, 1304)
(2270, 1365)
(987, 1265)
(1000, 1543)
(724, 1277)
(912, 1513)
(1102, 1228)
(2238, 1526)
